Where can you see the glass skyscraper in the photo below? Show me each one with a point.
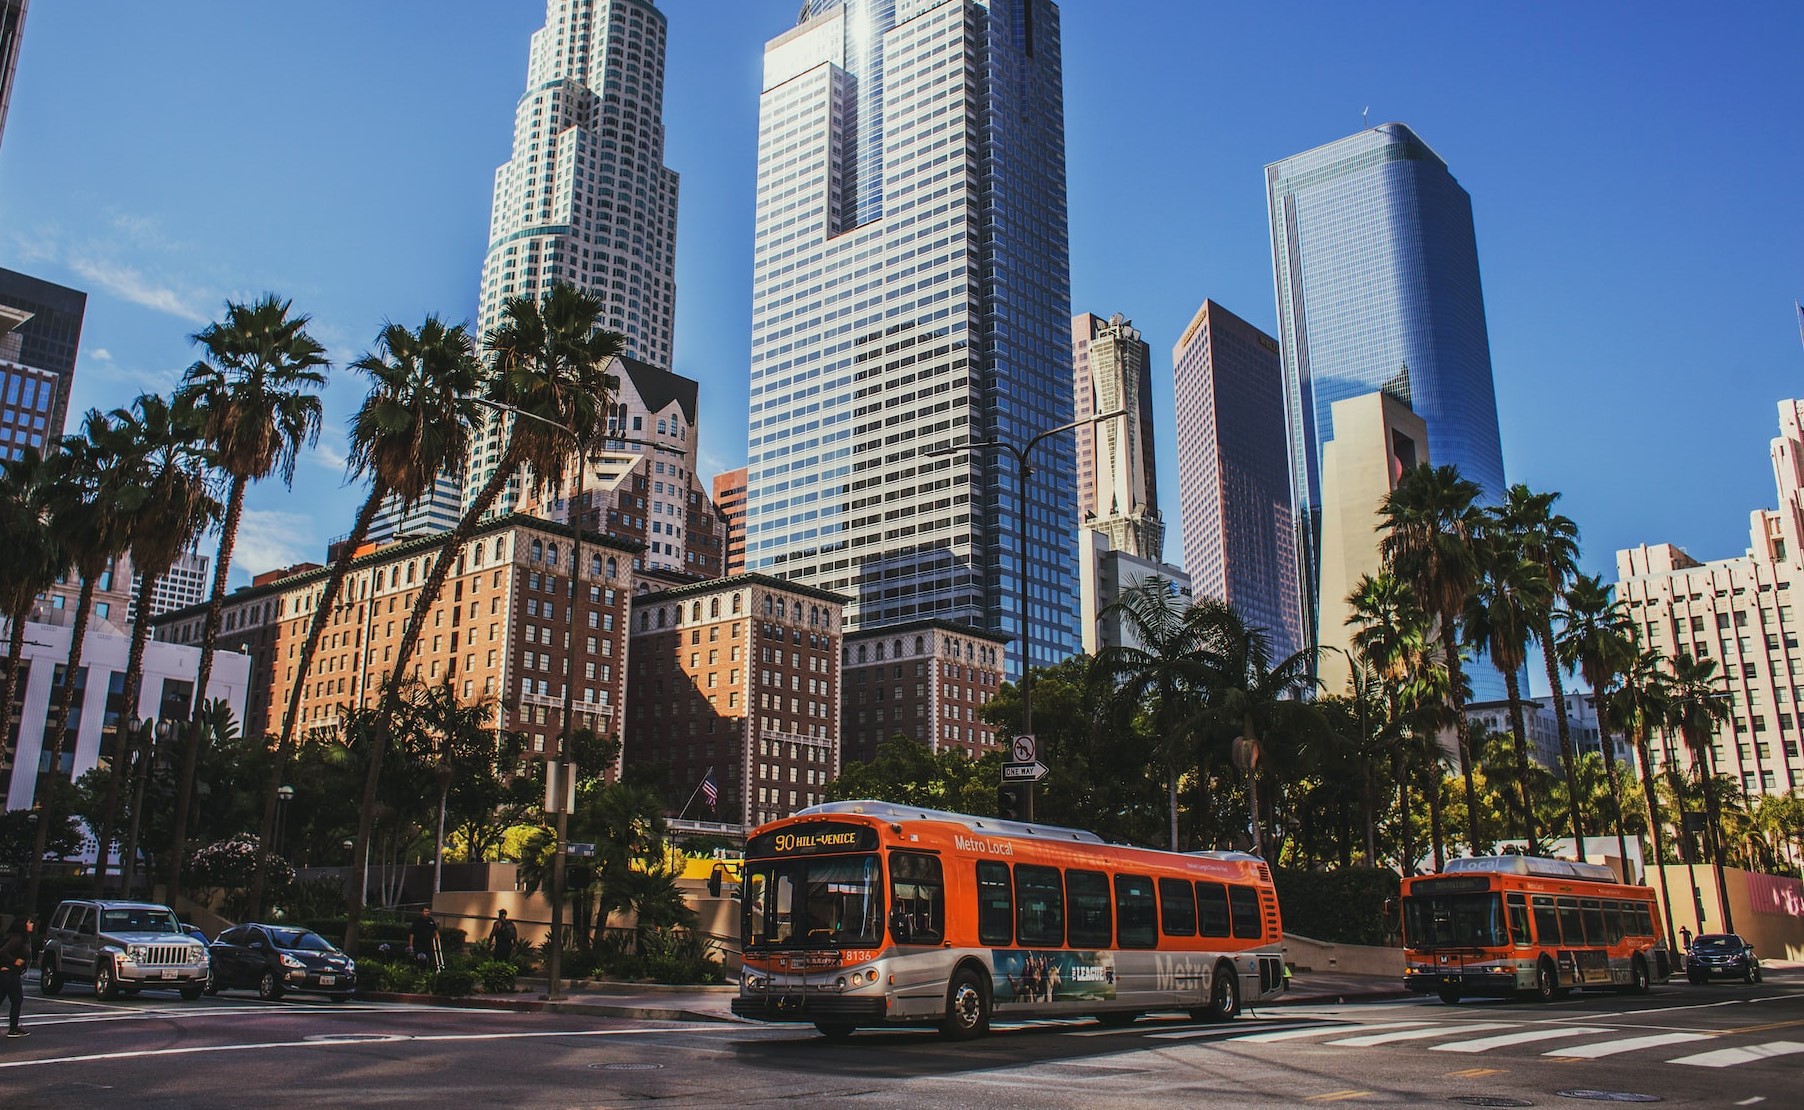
(1376, 268)
(911, 294)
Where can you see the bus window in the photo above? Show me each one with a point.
(1177, 908)
(995, 904)
(917, 899)
(1547, 921)
(1472, 920)
(1039, 906)
(1243, 903)
(1518, 916)
(1090, 925)
(1644, 919)
(833, 900)
(1594, 922)
(1572, 922)
(1212, 909)
(1134, 911)
(1613, 922)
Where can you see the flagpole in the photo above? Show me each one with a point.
(693, 793)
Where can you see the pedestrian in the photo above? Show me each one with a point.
(15, 957)
(1685, 937)
(422, 939)
(503, 934)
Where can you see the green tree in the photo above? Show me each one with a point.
(1642, 704)
(1699, 707)
(1599, 640)
(257, 390)
(453, 739)
(1430, 538)
(1501, 616)
(1391, 641)
(31, 559)
(550, 359)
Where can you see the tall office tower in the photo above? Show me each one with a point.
(1234, 474)
(1376, 268)
(729, 502)
(183, 585)
(40, 331)
(586, 199)
(12, 27)
(910, 295)
(1117, 488)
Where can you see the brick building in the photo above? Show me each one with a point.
(926, 680)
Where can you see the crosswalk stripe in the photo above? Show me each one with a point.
(1486, 1044)
(1422, 1034)
(1322, 1030)
(1629, 1044)
(1726, 1057)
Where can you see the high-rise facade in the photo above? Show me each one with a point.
(586, 199)
(1234, 473)
(729, 502)
(12, 28)
(911, 295)
(40, 331)
(1376, 267)
(1117, 487)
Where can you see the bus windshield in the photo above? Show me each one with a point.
(1454, 921)
(813, 902)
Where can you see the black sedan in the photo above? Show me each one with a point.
(276, 959)
(1722, 956)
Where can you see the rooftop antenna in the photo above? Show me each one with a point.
(1363, 113)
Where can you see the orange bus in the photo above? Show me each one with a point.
(871, 914)
(1498, 925)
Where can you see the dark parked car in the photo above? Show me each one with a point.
(1722, 956)
(276, 959)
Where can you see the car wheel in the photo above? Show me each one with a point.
(105, 987)
(967, 1007)
(1747, 974)
(835, 1030)
(212, 987)
(1638, 976)
(1547, 981)
(1450, 995)
(269, 987)
(1224, 996)
(50, 980)
(1759, 975)
(1695, 978)
(191, 994)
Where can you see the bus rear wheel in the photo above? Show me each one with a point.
(967, 1007)
(1224, 996)
(1547, 981)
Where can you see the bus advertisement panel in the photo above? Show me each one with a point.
(871, 913)
(1501, 925)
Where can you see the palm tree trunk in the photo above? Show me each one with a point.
(1405, 837)
(1514, 688)
(1253, 810)
(1556, 681)
(1461, 730)
(193, 735)
(438, 853)
(1432, 788)
(1615, 775)
(1171, 792)
(1649, 788)
(59, 725)
(410, 638)
(15, 671)
(322, 615)
(1714, 835)
(122, 763)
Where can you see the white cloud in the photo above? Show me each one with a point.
(329, 453)
(269, 538)
(131, 284)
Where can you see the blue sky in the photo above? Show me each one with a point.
(1635, 172)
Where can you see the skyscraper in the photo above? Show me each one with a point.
(1376, 268)
(586, 199)
(12, 27)
(911, 294)
(1117, 488)
(1234, 473)
(40, 331)
(729, 502)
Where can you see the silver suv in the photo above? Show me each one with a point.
(121, 946)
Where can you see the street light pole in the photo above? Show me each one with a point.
(1024, 469)
(284, 795)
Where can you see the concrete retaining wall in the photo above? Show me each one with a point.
(1307, 954)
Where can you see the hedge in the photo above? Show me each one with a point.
(1344, 906)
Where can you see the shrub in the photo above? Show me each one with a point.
(680, 956)
(1344, 906)
(496, 976)
(454, 982)
(400, 978)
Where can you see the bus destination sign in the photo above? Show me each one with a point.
(812, 839)
(1455, 884)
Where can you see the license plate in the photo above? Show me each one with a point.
(327, 980)
(168, 974)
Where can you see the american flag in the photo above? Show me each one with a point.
(710, 790)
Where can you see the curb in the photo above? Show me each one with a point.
(538, 1006)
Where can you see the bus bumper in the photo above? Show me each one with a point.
(1473, 981)
(778, 1006)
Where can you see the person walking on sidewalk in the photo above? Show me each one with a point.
(15, 957)
(503, 934)
(422, 940)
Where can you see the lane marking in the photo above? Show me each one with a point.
(1765, 1028)
(1629, 1044)
(1422, 1034)
(1728, 1057)
(1323, 1030)
(1751, 1101)
(1486, 1044)
(1474, 1073)
(1336, 1096)
(195, 1050)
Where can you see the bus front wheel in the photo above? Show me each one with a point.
(1450, 995)
(835, 1030)
(1638, 976)
(1224, 996)
(1547, 981)
(967, 1007)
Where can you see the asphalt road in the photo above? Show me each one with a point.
(1718, 1045)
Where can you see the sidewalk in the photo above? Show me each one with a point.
(652, 1002)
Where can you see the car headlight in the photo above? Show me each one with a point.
(290, 961)
(350, 964)
(134, 952)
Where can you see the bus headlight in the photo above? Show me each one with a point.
(755, 982)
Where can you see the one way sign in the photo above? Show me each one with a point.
(1024, 772)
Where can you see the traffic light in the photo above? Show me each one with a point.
(1011, 801)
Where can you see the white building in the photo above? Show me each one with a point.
(1107, 574)
(169, 674)
(586, 199)
(186, 584)
(1543, 726)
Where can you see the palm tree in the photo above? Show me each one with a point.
(452, 737)
(1432, 529)
(1260, 705)
(168, 505)
(413, 425)
(1162, 670)
(1512, 596)
(1699, 706)
(550, 360)
(30, 561)
(257, 390)
(1390, 638)
(1599, 640)
(1552, 540)
(1642, 703)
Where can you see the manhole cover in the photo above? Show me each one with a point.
(1607, 1096)
(626, 1067)
(354, 1038)
(1490, 1100)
